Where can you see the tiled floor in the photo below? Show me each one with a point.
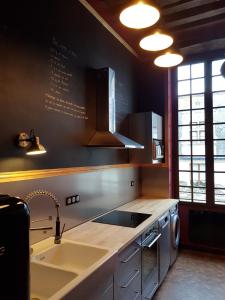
(194, 276)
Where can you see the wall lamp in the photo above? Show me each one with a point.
(31, 142)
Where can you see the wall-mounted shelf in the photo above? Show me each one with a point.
(34, 174)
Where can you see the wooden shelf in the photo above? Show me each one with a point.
(34, 174)
(161, 165)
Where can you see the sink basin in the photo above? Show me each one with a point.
(46, 281)
(72, 256)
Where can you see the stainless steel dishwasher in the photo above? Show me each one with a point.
(164, 246)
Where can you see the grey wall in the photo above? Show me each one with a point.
(39, 40)
(100, 191)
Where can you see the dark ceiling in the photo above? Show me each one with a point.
(197, 25)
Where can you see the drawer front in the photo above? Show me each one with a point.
(128, 261)
(131, 292)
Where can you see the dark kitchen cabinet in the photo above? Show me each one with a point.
(127, 279)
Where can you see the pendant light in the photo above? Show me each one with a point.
(156, 42)
(139, 15)
(168, 59)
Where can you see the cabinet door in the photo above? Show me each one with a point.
(157, 129)
(98, 286)
(108, 294)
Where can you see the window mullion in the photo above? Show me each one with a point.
(209, 135)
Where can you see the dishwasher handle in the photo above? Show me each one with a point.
(151, 242)
(166, 224)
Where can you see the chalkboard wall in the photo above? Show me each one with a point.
(48, 49)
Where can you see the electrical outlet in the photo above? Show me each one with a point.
(132, 183)
(77, 198)
(72, 199)
(68, 201)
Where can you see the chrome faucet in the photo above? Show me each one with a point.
(37, 193)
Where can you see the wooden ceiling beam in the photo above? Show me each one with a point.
(168, 3)
(201, 27)
(185, 6)
(208, 46)
(195, 18)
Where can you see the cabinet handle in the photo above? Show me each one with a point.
(130, 280)
(137, 295)
(132, 255)
(152, 242)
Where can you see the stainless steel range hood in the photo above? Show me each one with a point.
(106, 135)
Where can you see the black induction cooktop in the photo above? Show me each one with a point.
(123, 218)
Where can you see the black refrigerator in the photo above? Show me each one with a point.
(14, 249)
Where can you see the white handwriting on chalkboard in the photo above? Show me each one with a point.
(58, 98)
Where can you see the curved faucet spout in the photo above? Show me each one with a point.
(37, 193)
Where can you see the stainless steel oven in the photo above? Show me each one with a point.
(150, 261)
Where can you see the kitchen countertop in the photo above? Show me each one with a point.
(112, 237)
(117, 237)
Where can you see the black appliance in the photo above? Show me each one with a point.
(150, 261)
(14, 249)
(123, 218)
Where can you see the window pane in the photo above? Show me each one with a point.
(220, 199)
(216, 65)
(183, 72)
(184, 102)
(219, 99)
(198, 147)
(198, 163)
(199, 190)
(199, 197)
(185, 189)
(219, 131)
(184, 87)
(220, 192)
(185, 163)
(197, 86)
(219, 180)
(199, 179)
(184, 148)
(198, 132)
(186, 196)
(185, 178)
(184, 117)
(198, 116)
(219, 163)
(197, 70)
(218, 83)
(218, 115)
(198, 101)
(219, 147)
(184, 133)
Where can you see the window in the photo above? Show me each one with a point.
(218, 107)
(201, 133)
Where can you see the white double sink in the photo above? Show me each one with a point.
(56, 269)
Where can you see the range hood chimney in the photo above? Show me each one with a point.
(106, 135)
